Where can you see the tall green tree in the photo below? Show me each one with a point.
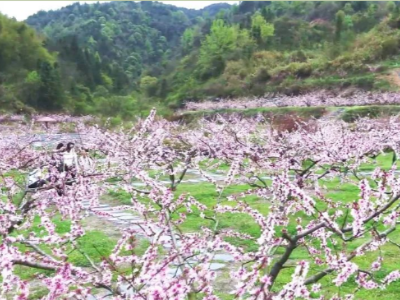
(187, 40)
(260, 29)
(221, 41)
(148, 85)
(51, 94)
(339, 22)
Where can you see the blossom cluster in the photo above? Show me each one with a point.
(319, 98)
(285, 199)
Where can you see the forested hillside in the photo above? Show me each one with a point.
(125, 38)
(288, 47)
(28, 72)
(120, 58)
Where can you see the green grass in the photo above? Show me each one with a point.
(360, 81)
(207, 195)
(38, 293)
(95, 244)
(384, 161)
(353, 113)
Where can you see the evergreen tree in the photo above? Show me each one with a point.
(51, 94)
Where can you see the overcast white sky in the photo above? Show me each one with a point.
(23, 9)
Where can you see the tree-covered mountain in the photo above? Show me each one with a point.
(29, 74)
(121, 58)
(116, 48)
(129, 37)
(97, 53)
(290, 47)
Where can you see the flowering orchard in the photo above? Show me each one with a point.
(319, 98)
(286, 172)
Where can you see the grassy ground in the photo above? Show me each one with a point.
(384, 161)
(363, 81)
(97, 243)
(353, 113)
(94, 243)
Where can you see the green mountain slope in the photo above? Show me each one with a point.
(29, 74)
(119, 59)
(130, 35)
(288, 47)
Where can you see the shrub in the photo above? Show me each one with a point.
(235, 68)
(299, 70)
(148, 85)
(115, 121)
(304, 70)
(22, 108)
(390, 46)
(350, 63)
(353, 114)
(261, 75)
(269, 59)
(365, 82)
(297, 56)
(217, 88)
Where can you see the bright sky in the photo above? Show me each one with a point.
(23, 9)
